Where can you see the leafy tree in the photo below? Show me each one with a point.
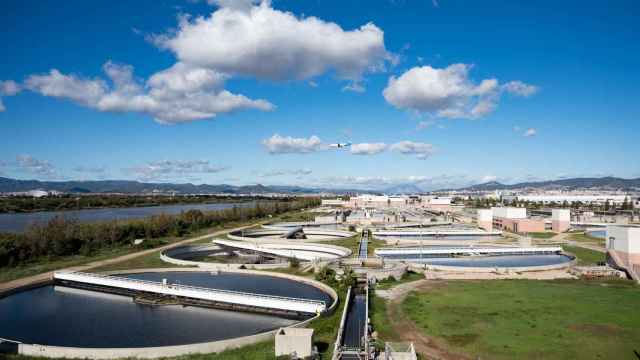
(294, 263)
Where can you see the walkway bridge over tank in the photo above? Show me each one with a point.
(289, 250)
(194, 295)
(468, 251)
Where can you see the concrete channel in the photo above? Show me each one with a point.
(353, 336)
(364, 244)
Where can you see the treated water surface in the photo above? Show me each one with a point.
(62, 316)
(19, 222)
(487, 261)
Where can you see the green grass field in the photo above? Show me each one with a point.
(374, 243)
(380, 319)
(524, 319)
(583, 237)
(542, 235)
(351, 243)
(407, 277)
(585, 256)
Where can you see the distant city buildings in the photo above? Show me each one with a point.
(34, 193)
(599, 199)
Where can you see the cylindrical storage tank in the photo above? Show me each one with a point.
(485, 219)
(560, 220)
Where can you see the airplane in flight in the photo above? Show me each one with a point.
(340, 145)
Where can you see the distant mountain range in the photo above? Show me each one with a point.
(604, 183)
(136, 187)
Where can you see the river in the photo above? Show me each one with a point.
(19, 222)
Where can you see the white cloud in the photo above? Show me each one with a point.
(381, 183)
(90, 170)
(368, 148)
(260, 41)
(354, 86)
(34, 166)
(178, 94)
(520, 88)
(530, 132)
(448, 92)
(488, 178)
(421, 150)
(166, 169)
(277, 144)
(296, 172)
(425, 124)
(8, 88)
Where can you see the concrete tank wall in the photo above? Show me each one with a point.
(166, 351)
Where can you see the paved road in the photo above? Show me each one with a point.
(7, 286)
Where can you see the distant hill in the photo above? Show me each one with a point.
(136, 187)
(604, 183)
(403, 189)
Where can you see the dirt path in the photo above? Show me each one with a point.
(39, 278)
(407, 330)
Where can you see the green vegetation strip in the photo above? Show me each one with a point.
(62, 243)
(378, 314)
(351, 243)
(585, 256)
(406, 277)
(22, 204)
(525, 319)
(542, 235)
(586, 238)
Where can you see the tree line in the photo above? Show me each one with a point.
(61, 237)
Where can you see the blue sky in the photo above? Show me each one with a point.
(437, 94)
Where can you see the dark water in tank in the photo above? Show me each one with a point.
(488, 261)
(355, 321)
(70, 317)
(19, 222)
(238, 282)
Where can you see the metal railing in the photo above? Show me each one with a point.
(189, 287)
(469, 250)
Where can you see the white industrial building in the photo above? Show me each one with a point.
(333, 202)
(378, 201)
(509, 212)
(623, 243)
(294, 342)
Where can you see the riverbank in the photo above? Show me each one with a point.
(28, 204)
(127, 252)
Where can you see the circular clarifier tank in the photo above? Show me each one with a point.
(68, 317)
(503, 261)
